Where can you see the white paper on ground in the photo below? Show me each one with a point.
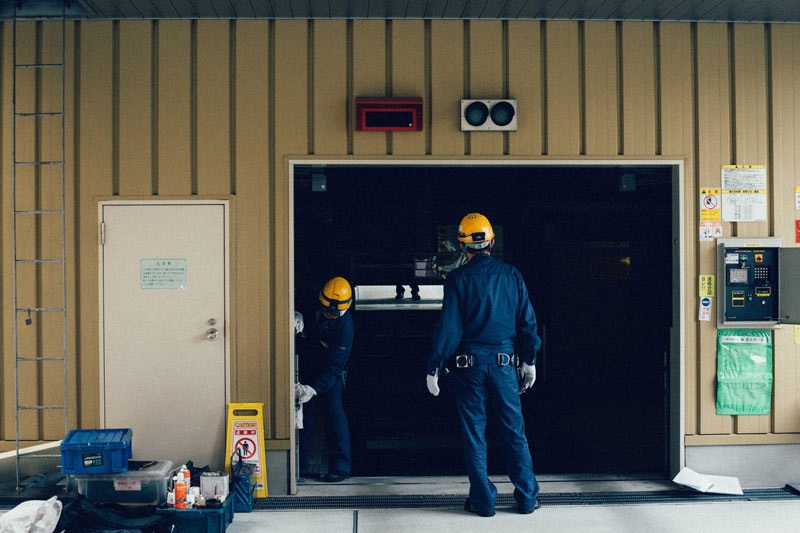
(706, 483)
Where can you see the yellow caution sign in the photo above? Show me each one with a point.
(706, 288)
(246, 434)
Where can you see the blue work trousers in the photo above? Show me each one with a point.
(494, 387)
(337, 435)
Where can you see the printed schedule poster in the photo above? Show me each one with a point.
(744, 193)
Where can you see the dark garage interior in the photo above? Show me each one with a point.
(594, 245)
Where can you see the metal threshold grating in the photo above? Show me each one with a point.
(426, 501)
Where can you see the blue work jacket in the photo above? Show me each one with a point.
(329, 342)
(486, 310)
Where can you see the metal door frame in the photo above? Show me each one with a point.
(227, 303)
(677, 390)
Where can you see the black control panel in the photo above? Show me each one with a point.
(751, 284)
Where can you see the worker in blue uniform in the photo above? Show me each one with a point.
(487, 326)
(328, 341)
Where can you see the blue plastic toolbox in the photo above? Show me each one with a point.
(96, 451)
(200, 520)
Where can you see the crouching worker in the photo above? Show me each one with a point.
(328, 340)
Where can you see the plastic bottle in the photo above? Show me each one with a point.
(180, 492)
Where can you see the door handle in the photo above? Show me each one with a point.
(212, 334)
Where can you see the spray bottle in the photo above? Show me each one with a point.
(180, 492)
(187, 476)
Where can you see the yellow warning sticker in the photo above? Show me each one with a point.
(797, 334)
(706, 287)
(710, 205)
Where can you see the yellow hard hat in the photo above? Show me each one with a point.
(336, 295)
(475, 231)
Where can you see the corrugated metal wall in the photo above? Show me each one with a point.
(212, 108)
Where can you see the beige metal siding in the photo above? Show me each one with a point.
(252, 374)
(486, 77)
(638, 88)
(408, 78)
(447, 81)
(713, 149)
(784, 42)
(369, 78)
(330, 85)
(676, 76)
(173, 108)
(562, 101)
(750, 130)
(215, 108)
(601, 96)
(525, 85)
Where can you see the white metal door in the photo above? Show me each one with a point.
(163, 295)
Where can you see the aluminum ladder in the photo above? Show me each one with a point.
(30, 313)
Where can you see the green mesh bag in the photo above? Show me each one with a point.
(744, 371)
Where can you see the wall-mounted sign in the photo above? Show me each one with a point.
(710, 230)
(706, 285)
(163, 273)
(704, 313)
(744, 193)
(710, 204)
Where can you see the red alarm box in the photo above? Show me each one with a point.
(389, 114)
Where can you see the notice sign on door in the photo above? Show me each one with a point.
(163, 273)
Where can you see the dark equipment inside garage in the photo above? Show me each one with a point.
(594, 245)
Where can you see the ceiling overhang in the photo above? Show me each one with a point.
(642, 10)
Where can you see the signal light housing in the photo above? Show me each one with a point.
(488, 115)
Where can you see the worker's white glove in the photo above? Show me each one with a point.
(528, 376)
(433, 383)
(298, 322)
(303, 393)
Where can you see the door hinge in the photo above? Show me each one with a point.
(102, 233)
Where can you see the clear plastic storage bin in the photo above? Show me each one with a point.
(146, 485)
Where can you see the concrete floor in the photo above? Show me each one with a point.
(704, 517)
(775, 517)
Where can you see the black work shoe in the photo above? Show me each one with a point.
(469, 509)
(335, 477)
(529, 510)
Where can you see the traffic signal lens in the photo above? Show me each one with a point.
(476, 113)
(502, 113)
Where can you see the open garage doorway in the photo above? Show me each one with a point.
(595, 245)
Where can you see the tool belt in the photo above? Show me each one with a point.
(469, 360)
